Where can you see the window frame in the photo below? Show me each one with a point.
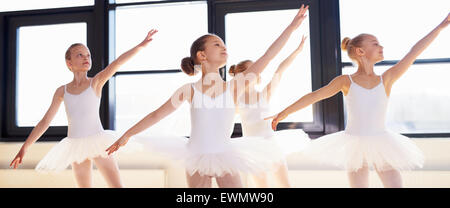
(325, 57)
(111, 11)
(323, 123)
(10, 131)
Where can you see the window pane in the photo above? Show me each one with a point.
(17, 5)
(42, 69)
(397, 30)
(133, 1)
(179, 24)
(138, 95)
(247, 40)
(419, 100)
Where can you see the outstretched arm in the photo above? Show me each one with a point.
(41, 127)
(336, 85)
(182, 94)
(273, 84)
(258, 66)
(395, 72)
(102, 77)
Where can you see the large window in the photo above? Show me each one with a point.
(250, 28)
(152, 76)
(41, 69)
(418, 100)
(247, 39)
(18, 5)
(35, 67)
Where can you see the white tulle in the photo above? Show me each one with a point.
(382, 151)
(86, 138)
(253, 125)
(366, 140)
(244, 155)
(210, 150)
(70, 150)
(290, 141)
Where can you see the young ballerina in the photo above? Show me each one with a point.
(210, 152)
(253, 107)
(86, 139)
(366, 142)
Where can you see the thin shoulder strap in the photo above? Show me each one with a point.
(193, 88)
(350, 77)
(65, 88)
(381, 77)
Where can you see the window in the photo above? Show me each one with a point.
(418, 99)
(17, 5)
(153, 75)
(247, 40)
(134, 1)
(170, 44)
(138, 95)
(41, 69)
(419, 109)
(36, 67)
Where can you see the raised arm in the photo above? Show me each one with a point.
(102, 77)
(258, 66)
(338, 84)
(182, 94)
(41, 127)
(273, 84)
(395, 72)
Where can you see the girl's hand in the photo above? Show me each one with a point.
(298, 19)
(300, 47)
(445, 22)
(149, 38)
(18, 159)
(119, 143)
(276, 118)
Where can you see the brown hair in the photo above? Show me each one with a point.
(350, 45)
(69, 50)
(187, 63)
(238, 68)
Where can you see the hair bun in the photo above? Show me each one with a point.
(345, 43)
(187, 66)
(232, 70)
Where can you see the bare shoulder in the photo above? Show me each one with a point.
(185, 92)
(59, 93)
(342, 82)
(186, 87)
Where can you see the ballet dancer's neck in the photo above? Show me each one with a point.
(365, 68)
(79, 77)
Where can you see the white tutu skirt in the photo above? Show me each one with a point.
(384, 151)
(239, 155)
(70, 150)
(290, 141)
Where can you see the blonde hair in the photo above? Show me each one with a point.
(69, 50)
(238, 68)
(350, 45)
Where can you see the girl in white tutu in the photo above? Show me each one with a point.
(366, 142)
(86, 139)
(253, 107)
(210, 152)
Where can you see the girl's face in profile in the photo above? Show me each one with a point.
(215, 51)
